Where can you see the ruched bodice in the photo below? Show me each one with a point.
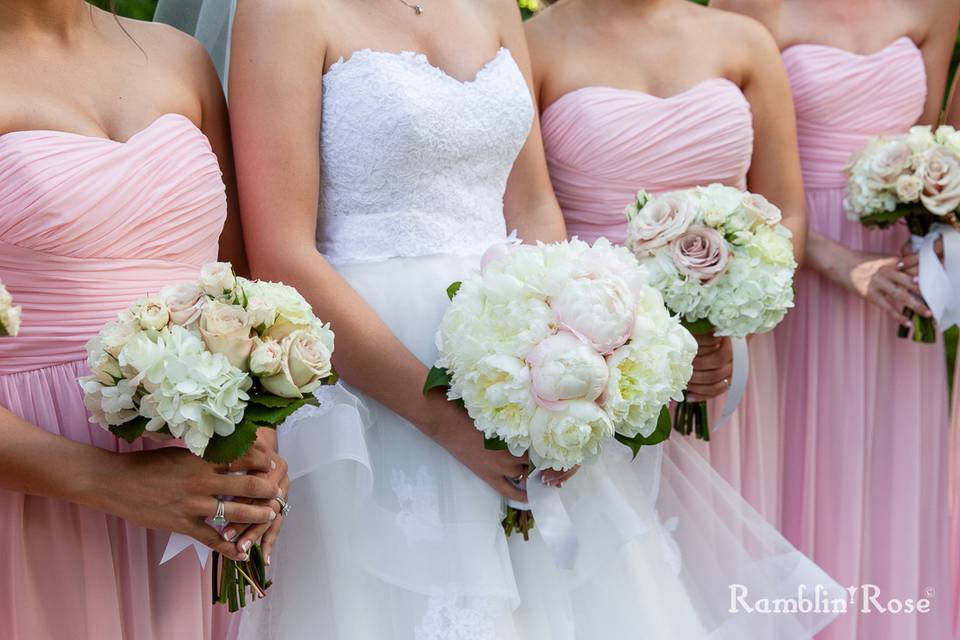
(603, 144)
(87, 225)
(842, 99)
(415, 162)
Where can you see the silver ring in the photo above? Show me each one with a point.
(220, 520)
(284, 506)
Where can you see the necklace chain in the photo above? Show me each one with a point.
(417, 9)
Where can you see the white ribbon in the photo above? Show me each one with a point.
(940, 282)
(179, 542)
(738, 381)
(552, 520)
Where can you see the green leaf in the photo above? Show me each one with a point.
(131, 430)
(697, 327)
(271, 416)
(453, 289)
(660, 433)
(437, 377)
(884, 219)
(270, 400)
(495, 444)
(223, 449)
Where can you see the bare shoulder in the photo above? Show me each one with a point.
(766, 12)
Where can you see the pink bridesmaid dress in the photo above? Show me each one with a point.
(865, 435)
(88, 225)
(603, 144)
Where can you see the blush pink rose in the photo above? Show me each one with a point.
(940, 171)
(701, 253)
(661, 220)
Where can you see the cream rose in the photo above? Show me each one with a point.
(153, 315)
(217, 278)
(762, 210)
(266, 358)
(185, 302)
(940, 171)
(909, 188)
(564, 368)
(227, 329)
(889, 162)
(661, 220)
(701, 253)
(262, 311)
(303, 367)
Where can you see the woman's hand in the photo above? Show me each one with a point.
(878, 278)
(554, 478)
(712, 368)
(460, 437)
(243, 535)
(174, 490)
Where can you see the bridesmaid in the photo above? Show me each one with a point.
(865, 420)
(109, 189)
(615, 119)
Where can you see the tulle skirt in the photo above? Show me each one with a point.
(392, 538)
(865, 442)
(71, 573)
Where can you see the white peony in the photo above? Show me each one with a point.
(563, 439)
(564, 368)
(598, 309)
(496, 392)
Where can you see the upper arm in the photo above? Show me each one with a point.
(275, 96)
(775, 170)
(764, 11)
(937, 48)
(953, 107)
(215, 124)
(530, 206)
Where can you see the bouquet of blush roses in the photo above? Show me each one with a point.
(555, 348)
(914, 179)
(9, 314)
(210, 362)
(722, 261)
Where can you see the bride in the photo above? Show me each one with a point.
(381, 147)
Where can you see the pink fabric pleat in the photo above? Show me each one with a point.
(87, 225)
(603, 144)
(864, 414)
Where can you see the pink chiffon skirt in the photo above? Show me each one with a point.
(72, 573)
(865, 444)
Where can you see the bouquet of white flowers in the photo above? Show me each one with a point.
(555, 348)
(722, 261)
(9, 314)
(210, 362)
(914, 178)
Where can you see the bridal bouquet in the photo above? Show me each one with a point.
(555, 348)
(914, 179)
(210, 362)
(9, 314)
(722, 261)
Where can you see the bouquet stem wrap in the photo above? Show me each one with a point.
(940, 282)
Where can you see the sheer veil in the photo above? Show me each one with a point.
(208, 20)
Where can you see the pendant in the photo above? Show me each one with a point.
(417, 9)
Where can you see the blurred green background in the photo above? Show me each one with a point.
(143, 10)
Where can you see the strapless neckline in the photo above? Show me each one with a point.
(853, 54)
(417, 60)
(29, 133)
(700, 86)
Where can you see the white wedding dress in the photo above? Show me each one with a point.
(390, 537)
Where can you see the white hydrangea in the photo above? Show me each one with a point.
(9, 314)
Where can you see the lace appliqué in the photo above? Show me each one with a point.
(413, 161)
(419, 515)
(451, 617)
(668, 545)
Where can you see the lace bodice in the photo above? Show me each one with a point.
(413, 161)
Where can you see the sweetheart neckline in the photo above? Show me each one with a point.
(415, 56)
(107, 140)
(696, 87)
(853, 54)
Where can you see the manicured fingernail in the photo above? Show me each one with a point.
(244, 557)
(916, 279)
(245, 545)
(273, 465)
(900, 265)
(279, 492)
(273, 515)
(229, 535)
